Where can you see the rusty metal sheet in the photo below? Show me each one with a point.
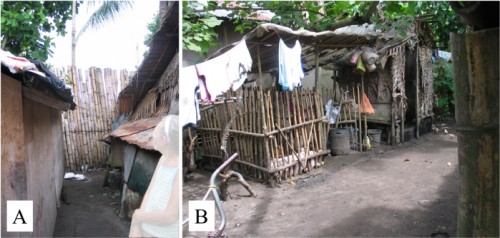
(134, 127)
(138, 132)
(143, 139)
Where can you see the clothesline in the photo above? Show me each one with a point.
(303, 44)
(211, 78)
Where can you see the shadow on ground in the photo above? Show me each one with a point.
(92, 210)
(407, 191)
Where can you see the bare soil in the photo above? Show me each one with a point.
(411, 190)
(92, 210)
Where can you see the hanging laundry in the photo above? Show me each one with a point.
(190, 113)
(290, 65)
(226, 71)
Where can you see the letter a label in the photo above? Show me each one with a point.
(19, 216)
(201, 215)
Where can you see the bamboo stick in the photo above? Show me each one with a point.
(311, 115)
(85, 118)
(402, 122)
(94, 104)
(291, 147)
(79, 140)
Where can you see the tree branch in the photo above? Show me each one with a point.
(257, 9)
(356, 19)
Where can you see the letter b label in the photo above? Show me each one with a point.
(201, 215)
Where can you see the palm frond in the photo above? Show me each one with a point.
(108, 11)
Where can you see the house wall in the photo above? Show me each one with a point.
(325, 80)
(32, 156)
(14, 184)
(43, 133)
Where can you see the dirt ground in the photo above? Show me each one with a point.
(410, 190)
(92, 210)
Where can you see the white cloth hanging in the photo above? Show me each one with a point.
(226, 71)
(290, 65)
(189, 85)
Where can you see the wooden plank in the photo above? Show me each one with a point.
(44, 99)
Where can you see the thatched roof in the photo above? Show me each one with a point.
(164, 46)
(153, 91)
(332, 44)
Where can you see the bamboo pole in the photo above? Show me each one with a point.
(358, 145)
(264, 125)
(291, 147)
(84, 121)
(359, 118)
(365, 129)
(316, 69)
(417, 92)
(402, 121)
(95, 106)
(79, 140)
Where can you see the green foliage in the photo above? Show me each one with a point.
(25, 26)
(153, 27)
(444, 88)
(198, 29)
(439, 15)
(320, 16)
(107, 11)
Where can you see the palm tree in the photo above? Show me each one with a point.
(107, 11)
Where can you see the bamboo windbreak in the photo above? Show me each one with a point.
(95, 91)
(277, 134)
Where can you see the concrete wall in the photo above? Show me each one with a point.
(32, 147)
(325, 81)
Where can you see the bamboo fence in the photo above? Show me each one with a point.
(95, 92)
(277, 134)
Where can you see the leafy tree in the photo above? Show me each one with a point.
(198, 24)
(444, 88)
(198, 29)
(107, 11)
(153, 27)
(25, 26)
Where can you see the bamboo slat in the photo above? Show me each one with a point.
(95, 92)
(265, 152)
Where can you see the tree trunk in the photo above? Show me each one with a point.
(73, 43)
(475, 62)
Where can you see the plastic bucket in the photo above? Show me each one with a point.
(340, 144)
(374, 135)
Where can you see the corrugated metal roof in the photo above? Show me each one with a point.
(143, 139)
(139, 132)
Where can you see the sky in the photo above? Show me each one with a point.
(118, 44)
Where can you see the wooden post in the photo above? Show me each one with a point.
(476, 68)
(417, 98)
(365, 129)
(316, 70)
(263, 114)
(402, 121)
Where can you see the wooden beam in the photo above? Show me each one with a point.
(45, 99)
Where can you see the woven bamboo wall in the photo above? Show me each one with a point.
(95, 92)
(269, 132)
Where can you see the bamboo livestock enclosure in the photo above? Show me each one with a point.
(277, 134)
(95, 93)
